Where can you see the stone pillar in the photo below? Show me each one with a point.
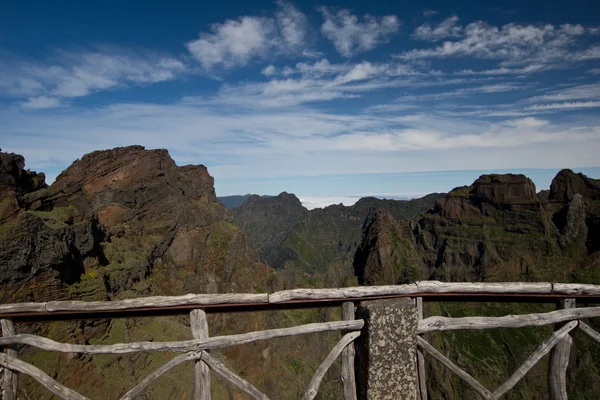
(386, 362)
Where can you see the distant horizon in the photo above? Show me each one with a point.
(540, 177)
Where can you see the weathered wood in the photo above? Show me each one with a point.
(421, 377)
(589, 331)
(59, 390)
(315, 382)
(159, 301)
(462, 374)
(484, 287)
(360, 292)
(348, 378)
(10, 378)
(509, 321)
(160, 371)
(22, 308)
(231, 377)
(182, 346)
(576, 289)
(559, 361)
(533, 359)
(342, 293)
(199, 327)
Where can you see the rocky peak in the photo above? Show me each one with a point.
(567, 183)
(505, 190)
(15, 182)
(284, 202)
(501, 191)
(386, 254)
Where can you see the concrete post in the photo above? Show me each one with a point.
(386, 362)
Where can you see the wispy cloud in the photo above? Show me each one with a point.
(566, 105)
(236, 42)
(73, 74)
(446, 29)
(513, 44)
(351, 36)
(580, 92)
(41, 102)
(495, 88)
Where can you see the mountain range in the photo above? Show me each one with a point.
(129, 222)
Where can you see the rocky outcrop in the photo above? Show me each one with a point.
(122, 223)
(573, 226)
(496, 229)
(387, 252)
(505, 191)
(567, 184)
(495, 225)
(319, 241)
(269, 222)
(127, 210)
(16, 182)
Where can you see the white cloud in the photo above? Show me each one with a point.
(269, 70)
(292, 25)
(594, 71)
(495, 88)
(504, 71)
(566, 105)
(236, 42)
(237, 145)
(579, 92)
(512, 43)
(446, 29)
(312, 202)
(80, 74)
(350, 36)
(41, 102)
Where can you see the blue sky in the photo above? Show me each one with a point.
(323, 99)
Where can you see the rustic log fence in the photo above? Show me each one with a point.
(197, 350)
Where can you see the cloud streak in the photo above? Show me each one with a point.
(74, 75)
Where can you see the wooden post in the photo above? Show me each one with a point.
(422, 380)
(199, 327)
(348, 379)
(559, 361)
(9, 390)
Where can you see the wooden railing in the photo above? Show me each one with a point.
(197, 350)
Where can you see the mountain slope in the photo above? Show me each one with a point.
(305, 243)
(128, 222)
(497, 229)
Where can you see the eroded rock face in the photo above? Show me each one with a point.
(387, 252)
(567, 184)
(15, 182)
(507, 190)
(137, 205)
(497, 224)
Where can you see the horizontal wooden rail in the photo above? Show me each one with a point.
(217, 342)
(428, 290)
(509, 321)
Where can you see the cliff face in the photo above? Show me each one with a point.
(496, 229)
(315, 242)
(120, 223)
(119, 214)
(499, 229)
